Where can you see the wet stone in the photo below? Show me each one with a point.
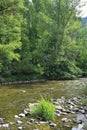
(65, 120)
(26, 112)
(74, 120)
(43, 122)
(19, 122)
(79, 121)
(82, 111)
(1, 121)
(0, 126)
(32, 120)
(29, 123)
(22, 115)
(6, 125)
(16, 116)
(11, 123)
(57, 114)
(52, 124)
(76, 109)
(20, 128)
(85, 108)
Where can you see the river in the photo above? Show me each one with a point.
(14, 98)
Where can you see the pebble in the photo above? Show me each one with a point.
(19, 122)
(52, 124)
(16, 116)
(5, 125)
(26, 112)
(65, 120)
(20, 128)
(22, 115)
(32, 120)
(43, 122)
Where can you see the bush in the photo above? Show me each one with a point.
(44, 109)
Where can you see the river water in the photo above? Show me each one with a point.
(14, 98)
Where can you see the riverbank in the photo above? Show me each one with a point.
(22, 82)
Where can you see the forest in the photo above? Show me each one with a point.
(41, 39)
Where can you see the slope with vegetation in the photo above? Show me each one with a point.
(41, 39)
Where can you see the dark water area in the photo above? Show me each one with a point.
(14, 98)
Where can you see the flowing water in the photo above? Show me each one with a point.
(14, 98)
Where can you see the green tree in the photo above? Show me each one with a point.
(82, 49)
(48, 38)
(10, 33)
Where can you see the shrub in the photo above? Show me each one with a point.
(44, 109)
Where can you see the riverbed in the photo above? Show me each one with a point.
(14, 98)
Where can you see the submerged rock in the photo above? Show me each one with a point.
(52, 125)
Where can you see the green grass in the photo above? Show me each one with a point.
(44, 109)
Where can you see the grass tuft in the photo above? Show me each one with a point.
(44, 109)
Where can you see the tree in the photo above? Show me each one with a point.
(82, 49)
(47, 35)
(10, 33)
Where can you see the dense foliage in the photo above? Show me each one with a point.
(41, 39)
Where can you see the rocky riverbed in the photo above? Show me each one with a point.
(71, 113)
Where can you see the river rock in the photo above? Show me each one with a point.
(16, 116)
(76, 109)
(1, 121)
(70, 102)
(75, 99)
(29, 123)
(20, 128)
(74, 120)
(26, 112)
(57, 114)
(0, 126)
(23, 91)
(85, 108)
(32, 120)
(5, 125)
(19, 122)
(59, 108)
(52, 125)
(43, 122)
(65, 120)
(82, 111)
(63, 100)
(22, 115)
(79, 121)
(11, 123)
